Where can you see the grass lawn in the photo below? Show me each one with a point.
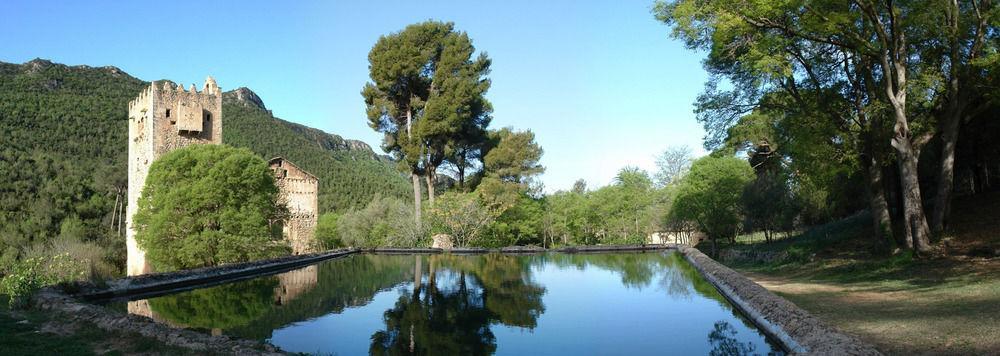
(945, 304)
(27, 332)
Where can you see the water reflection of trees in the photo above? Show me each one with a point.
(725, 343)
(223, 307)
(449, 310)
(452, 312)
(254, 308)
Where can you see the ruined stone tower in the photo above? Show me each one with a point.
(298, 190)
(163, 118)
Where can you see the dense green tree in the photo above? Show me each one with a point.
(400, 66)
(514, 156)
(852, 62)
(454, 120)
(206, 205)
(427, 97)
(710, 195)
(767, 201)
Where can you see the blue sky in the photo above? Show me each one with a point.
(599, 82)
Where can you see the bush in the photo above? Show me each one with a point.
(326, 231)
(462, 216)
(384, 222)
(28, 275)
(205, 205)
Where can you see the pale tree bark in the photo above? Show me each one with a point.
(416, 199)
(413, 174)
(893, 58)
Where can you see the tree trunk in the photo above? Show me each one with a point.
(409, 123)
(416, 198)
(946, 172)
(917, 231)
(949, 124)
(114, 214)
(430, 177)
(881, 220)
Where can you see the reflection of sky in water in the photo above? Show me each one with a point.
(589, 304)
(589, 312)
(347, 333)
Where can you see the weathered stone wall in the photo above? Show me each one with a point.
(800, 332)
(299, 191)
(163, 118)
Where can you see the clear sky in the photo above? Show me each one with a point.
(599, 82)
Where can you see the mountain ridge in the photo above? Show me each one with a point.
(63, 152)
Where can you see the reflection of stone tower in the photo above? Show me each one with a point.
(165, 117)
(298, 190)
(291, 284)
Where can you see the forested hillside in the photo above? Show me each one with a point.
(349, 172)
(63, 155)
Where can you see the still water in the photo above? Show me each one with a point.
(547, 304)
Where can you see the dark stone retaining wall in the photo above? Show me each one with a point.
(796, 329)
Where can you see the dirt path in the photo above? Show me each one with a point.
(903, 316)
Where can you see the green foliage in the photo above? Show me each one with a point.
(226, 306)
(326, 231)
(514, 156)
(624, 212)
(205, 205)
(710, 195)
(28, 275)
(462, 216)
(62, 154)
(383, 222)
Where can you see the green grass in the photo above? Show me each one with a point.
(901, 304)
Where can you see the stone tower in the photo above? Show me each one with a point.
(299, 191)
(163, 118)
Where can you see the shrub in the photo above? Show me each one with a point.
(384, 222)
(462, 216)
(206, 205)
(28, 275)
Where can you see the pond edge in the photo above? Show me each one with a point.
(798, 331)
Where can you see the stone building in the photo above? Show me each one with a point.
(299, 191)
(163, 118)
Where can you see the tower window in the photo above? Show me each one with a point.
(168, 112)
(208, 117)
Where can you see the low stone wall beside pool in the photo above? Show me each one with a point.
(796, 329)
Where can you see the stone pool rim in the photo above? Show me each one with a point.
(792, 328)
